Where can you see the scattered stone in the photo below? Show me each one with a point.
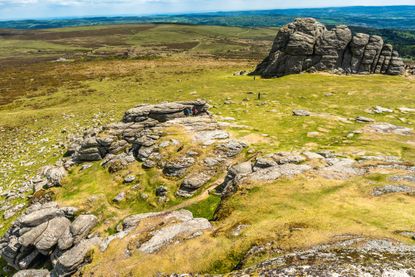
(301, 113)
(387, 128)
(408, 234)
(129, 179)
(85, 166)
(231, 148)
(237, 231)
(381, 110)
(10, 212)
(313, 134)
(389, 159)
(405, 178)
(53, 175)
(161, 191)
(288, 157)
(312, 156)
(340, 168)
(379, 191)
(119, 198)
(362, 119)
(193, 182)
(406, 110)
(178, 168)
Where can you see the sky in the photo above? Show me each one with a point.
(33, 9)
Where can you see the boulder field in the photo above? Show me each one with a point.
(306, 45)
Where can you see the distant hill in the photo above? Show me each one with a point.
(395, 23)
(387, 17)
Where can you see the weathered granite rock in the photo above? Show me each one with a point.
(301, 113)
(136, 130)
(53, 175)
(82, 226)
(164, 112)
(164, 228)
(178, 168)
(74, 258)
(307, 45)
(166, 235)
(193, 182)
(353, 256)
(387, 128)
(55, 229)
(44, 233)
(379, 191)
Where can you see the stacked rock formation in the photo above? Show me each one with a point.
(115, 138)
(140, 137)
(306, 45)
(49, 234)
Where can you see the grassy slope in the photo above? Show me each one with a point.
(101, 91)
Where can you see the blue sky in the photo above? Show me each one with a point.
(18, 9)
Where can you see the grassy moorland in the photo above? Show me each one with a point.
(44, 103)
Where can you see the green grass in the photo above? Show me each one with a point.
(47, 111)
(205, 208)
(10, 48)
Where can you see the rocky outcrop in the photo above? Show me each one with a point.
(46, 234)
(140, 137)
(264, 169)
(135, 129)
(353, 256)
(306, 45)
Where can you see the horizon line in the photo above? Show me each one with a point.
(196, 12)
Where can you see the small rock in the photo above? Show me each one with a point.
(301, 113)
(129, 179)
(406, 110)
(161, 191)
(313, 134)
(380, 110)
(120, 197)
(85, 166)
(362, 119)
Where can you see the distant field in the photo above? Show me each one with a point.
(133, 41)
(386, 17)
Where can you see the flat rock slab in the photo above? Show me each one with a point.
(387, 128)
(32, 273)
(168, 234)
(388, 189)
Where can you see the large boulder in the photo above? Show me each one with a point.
(307, 45)
(45, 235)
(74, 258)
